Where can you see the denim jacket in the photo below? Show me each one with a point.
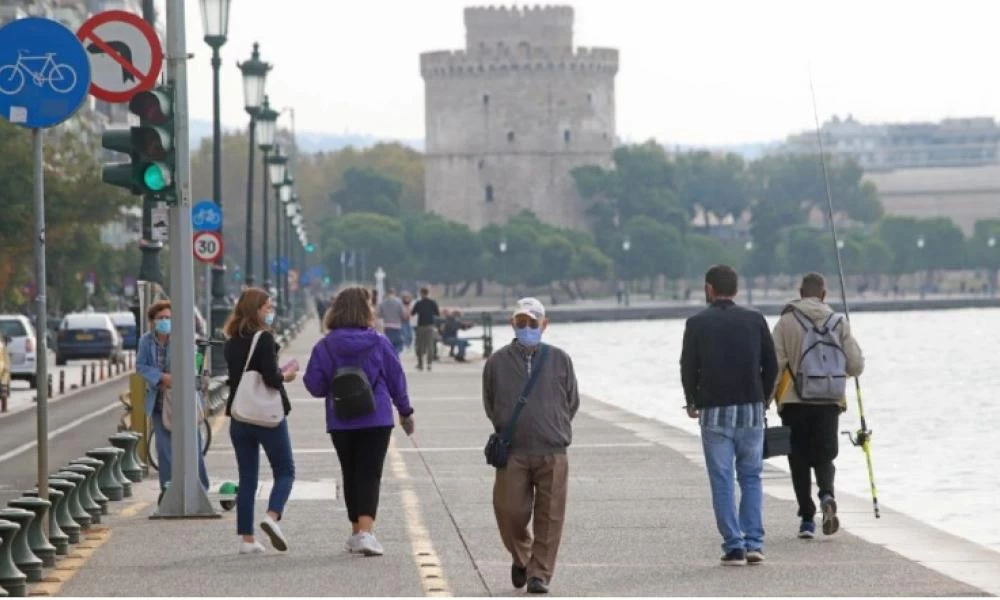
(145, 365)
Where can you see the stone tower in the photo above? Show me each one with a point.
(511, 116)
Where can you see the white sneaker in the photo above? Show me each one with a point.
(253, 547)
(273, 532)
(368, 545)
(351, 545)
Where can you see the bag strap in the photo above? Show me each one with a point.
(508, 431)
(253, 346)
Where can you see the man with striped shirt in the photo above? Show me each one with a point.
(728, 370)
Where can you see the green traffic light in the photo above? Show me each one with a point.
(156, 176)
(310, 248)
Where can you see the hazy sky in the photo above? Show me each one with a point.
(693, 72)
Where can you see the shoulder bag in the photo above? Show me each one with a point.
(255, 402)
(497, 449)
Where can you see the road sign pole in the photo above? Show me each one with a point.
(41, 327)
(185, 497)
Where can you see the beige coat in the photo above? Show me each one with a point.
(788, 342)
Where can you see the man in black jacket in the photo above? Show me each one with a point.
(728, 369)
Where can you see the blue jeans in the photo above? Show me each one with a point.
(395, 338)
(247, 440)
(459, 345)
(407, 334)
(165, 453)
(743, 447)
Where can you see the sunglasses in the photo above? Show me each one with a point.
(521, 322)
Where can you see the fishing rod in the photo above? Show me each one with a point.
(863, 436)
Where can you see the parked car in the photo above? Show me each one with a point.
(88, 335)
(21, 345)
(4, 369)
(126, 326)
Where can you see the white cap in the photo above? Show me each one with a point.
(531, 307)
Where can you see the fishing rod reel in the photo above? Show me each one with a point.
(859, 438)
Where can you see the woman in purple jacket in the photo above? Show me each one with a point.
(362, 441)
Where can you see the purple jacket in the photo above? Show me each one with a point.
(342, 347)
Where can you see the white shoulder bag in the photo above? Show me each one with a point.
(255, 402)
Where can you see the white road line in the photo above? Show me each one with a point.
(25, 447)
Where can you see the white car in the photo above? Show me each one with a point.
(21, 345)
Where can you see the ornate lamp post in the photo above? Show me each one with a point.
(503, 272)
(254, 77)
(626, 246)
(277, 167)
(749, 248)
(267, 122)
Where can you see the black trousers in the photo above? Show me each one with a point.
(362, 454)
(814, 448)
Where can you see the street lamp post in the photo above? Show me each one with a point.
(267, 119)
(286, 212)
(215, 24)
(920, 247)
(749, 248)
(277, 167)
(254, 77)
(991, 243)
(626, 246)
(503, 273)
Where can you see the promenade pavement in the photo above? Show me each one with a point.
(639, 521)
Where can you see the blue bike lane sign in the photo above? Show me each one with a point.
(206, 216)
(44, 72)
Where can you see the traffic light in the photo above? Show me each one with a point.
(150, 146)
(310, 248)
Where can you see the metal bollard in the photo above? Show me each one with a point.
(24, 558)
(37, 538)
(103, 367)
(62, 381)
(49, 383)
(93, 373)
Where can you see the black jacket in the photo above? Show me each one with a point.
(728, 357)
(264, 361)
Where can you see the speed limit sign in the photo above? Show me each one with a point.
(207, 246)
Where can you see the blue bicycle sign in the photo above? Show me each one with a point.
(206, 216)
(44, 72)
(59, 76)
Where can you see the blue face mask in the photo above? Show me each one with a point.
(528, 336)
(269, 318)
(163, 326)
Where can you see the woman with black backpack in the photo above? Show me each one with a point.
(356, 369)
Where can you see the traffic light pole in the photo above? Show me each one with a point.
(185, 497)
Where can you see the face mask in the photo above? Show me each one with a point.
(269, 318)
(528, 336)
(163, 326)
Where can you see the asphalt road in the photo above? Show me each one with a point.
(77, 423)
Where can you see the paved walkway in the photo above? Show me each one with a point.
(639, 522)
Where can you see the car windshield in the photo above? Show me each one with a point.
(12, 328)
(86, 322)
(123, 319)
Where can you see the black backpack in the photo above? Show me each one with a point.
(352, 393)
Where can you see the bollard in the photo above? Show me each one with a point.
(116, 470)
(76, 510)
(83, 376)
(107, 481)
(24, 558)
(87, 500)
(131, 468)
(63, 516)
(93, 373)
(37, 542)
(49, 383)
(57, 536)
(11, 578)
(92, 481)
(62, 381)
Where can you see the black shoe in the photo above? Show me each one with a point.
(831, 523)
(420, 366)
(734, 558)
(755, 557)
(537, 586)
(518, 576)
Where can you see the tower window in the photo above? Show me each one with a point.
(489, 193)
(566, 136)
(590, 98)
(486, 99)
(510, 136)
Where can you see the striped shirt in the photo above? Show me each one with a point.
(735, 415)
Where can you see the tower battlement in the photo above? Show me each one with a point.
(460, 63)
(536, 26)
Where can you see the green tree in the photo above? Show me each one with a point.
(443, 251)
(717, 185)
(380, 237)
(366, 190)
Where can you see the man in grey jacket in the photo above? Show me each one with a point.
(534, 482)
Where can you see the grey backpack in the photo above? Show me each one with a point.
(822, 372)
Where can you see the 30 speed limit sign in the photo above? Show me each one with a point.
(207, 246)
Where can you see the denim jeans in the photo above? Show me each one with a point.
(247, 440)
(459, 345)
(165, 453)
(742, 448)
(395, 338)
(407, 334)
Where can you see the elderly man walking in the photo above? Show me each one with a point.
(530, 394)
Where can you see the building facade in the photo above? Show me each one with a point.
(966, 142)
(509, 117)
